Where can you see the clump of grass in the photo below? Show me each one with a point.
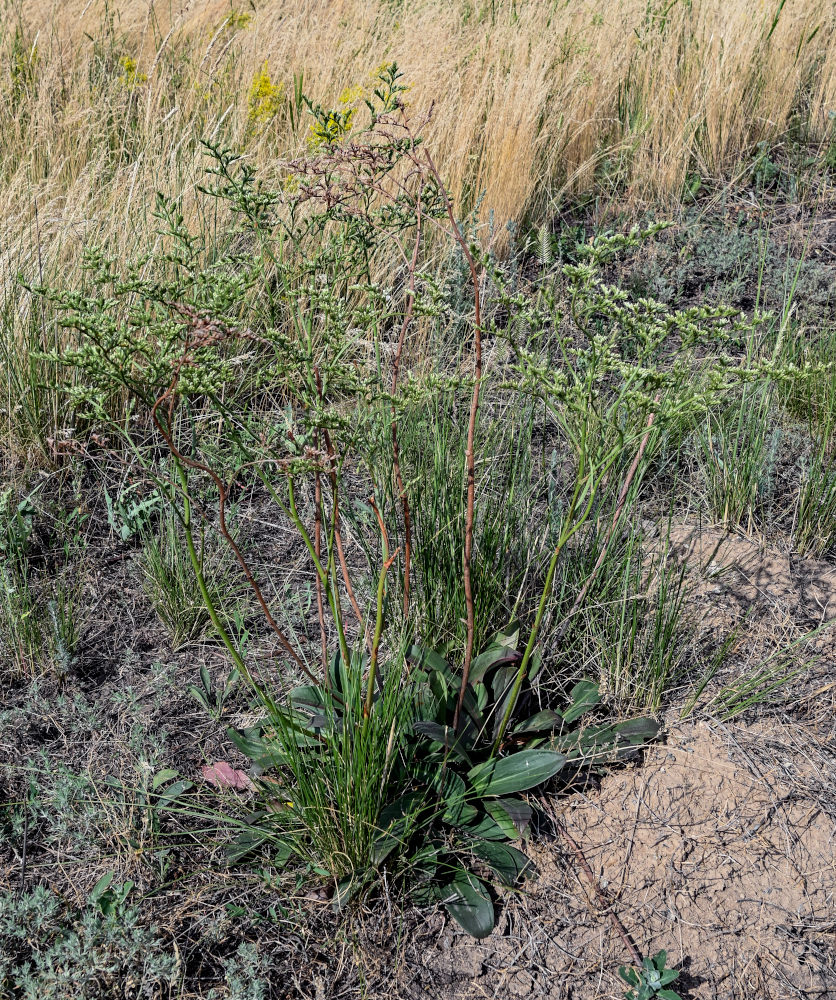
(815, 516)
(642, 637)
(170, 583)
(22, 638)
(505, 542)
(632, 629)
(737, 451)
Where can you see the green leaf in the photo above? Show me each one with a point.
(395, 822)
(599, 741)
(452, 791)
(502, 684)
(584, 696)
(168, 796)
(307, 695)
(508, 862)
(481, 693)
(488, 829)
(469, 904)
(515, 773)
(424, 658)
(490, 658)
(628, 975)
(251, 744)
(541, 722)
(636, 732)
(511, 815)
(535, 662)
(161, 777)
(245, 843)
(101, 886)
(443, 735)
(200, 697)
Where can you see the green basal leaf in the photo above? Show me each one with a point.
(488, 829)
(482, 696)
(468, 902)
(541, 722)
(172, 792)
(308, 696)
(502, 684)
(250, 742)
(161, 777)
(515, 773)
(508, 862)
(444, 736)
(512, 816)
(250, 840)
(452, 791)
(395, 822)
(585, 695)
(496, 653)
(429, 660)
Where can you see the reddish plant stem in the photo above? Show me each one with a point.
(470, 459)
(606, 903)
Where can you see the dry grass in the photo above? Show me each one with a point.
(530, 96)
(102, 102)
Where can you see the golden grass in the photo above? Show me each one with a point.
(530, 97)
(102, 103)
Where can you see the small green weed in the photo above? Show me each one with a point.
(131, 512)
(23, 640)
(651, 979)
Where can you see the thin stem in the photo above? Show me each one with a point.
(564, 538)
(323, 572)
(332, 473)
(320, 610)
(186, 519)
(168, 396)
(622, 498)
(381, 590)
(396, 365)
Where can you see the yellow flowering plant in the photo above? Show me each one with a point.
(264, 98)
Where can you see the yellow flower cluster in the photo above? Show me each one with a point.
(236, 20)
(264, 100)
(351, 95)
(131, 77)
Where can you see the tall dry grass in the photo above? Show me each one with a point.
(533, 98)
